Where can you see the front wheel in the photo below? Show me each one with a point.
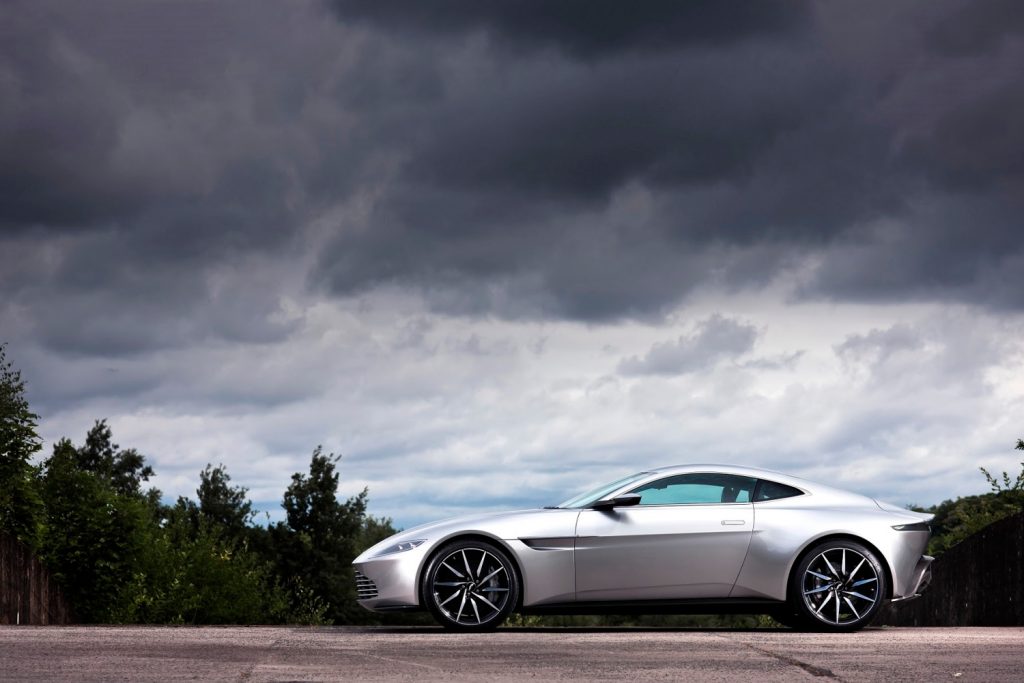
(470, 586)
(837, 586)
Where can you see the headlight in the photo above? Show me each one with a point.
(401, 547)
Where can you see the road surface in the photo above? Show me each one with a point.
(425, 654)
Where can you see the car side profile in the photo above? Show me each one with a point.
(683, 539)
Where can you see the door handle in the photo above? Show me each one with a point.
(733, 522)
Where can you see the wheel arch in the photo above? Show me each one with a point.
(812, 544)
(471, 536)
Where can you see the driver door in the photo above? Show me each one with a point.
(687, 538)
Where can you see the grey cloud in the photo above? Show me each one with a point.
(171, 170)
(878, 345)
(977, 144)
(976, 27)
(959, 248)
(929, 377)
(578, 132)
(947, 355)
(585, 28)
(546, 196)
(586, 268)
(152, 152)
(759, 153)
(579, 164)
(782, 361)
(713, 340)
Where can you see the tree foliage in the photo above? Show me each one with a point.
(1004, 485)
(321, 536)
(20, 505)
(121, 555)
(222, 504)
(192, 576)
(93, 537)
(123, 470)
(957, 519)
(221, 507)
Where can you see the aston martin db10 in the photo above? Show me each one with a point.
(685, 539)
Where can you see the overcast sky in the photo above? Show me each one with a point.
(495, 252)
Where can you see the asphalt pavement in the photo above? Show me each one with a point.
(425, 654)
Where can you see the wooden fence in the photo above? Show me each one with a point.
(28, 594)
(978, 582)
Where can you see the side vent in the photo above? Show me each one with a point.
(365, 587)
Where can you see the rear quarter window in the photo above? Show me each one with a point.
(773, 490)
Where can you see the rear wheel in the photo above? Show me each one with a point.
(837, 586)
(471, 586)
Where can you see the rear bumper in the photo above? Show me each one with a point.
(920, 579)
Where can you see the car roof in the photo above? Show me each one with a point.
(743, 470)
(830, 493)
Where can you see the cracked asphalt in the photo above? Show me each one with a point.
(424, 654)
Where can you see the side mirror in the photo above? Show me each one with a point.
(625, 500)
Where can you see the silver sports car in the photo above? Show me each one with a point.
(692, 538)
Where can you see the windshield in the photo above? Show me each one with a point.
(594, 495)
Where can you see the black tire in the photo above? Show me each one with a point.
(837, 586)
(470, 585)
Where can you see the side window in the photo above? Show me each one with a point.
(770, 490)
(695, 489)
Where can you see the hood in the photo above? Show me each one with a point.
(504, 525)
(462, 521)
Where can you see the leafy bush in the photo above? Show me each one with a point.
(957, 519)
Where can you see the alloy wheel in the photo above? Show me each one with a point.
(471, 587)
(840, 587)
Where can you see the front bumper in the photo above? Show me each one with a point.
(390, 582)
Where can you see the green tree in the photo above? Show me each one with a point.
(375, 530)
(93, 538)
(223, 504)
(20, 505)
(196, 576)
(316, 544)
(200, 568)
(124, 470)
(1004, 485)
(120, 561)
(957, 519)
(222, 507)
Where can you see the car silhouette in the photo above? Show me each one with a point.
(684, 539)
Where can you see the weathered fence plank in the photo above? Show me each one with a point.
(978, 582)
(28, 594)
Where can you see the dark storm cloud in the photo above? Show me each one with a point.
(583, 131)
(975, 144)
(610, 190)
(110, 109)
(967, 247)
(155, 156)
(163, 161)
(901, 177)
(976, 27)
(517, 192)
(584, 27)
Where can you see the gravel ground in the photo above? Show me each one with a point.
(424, 654)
